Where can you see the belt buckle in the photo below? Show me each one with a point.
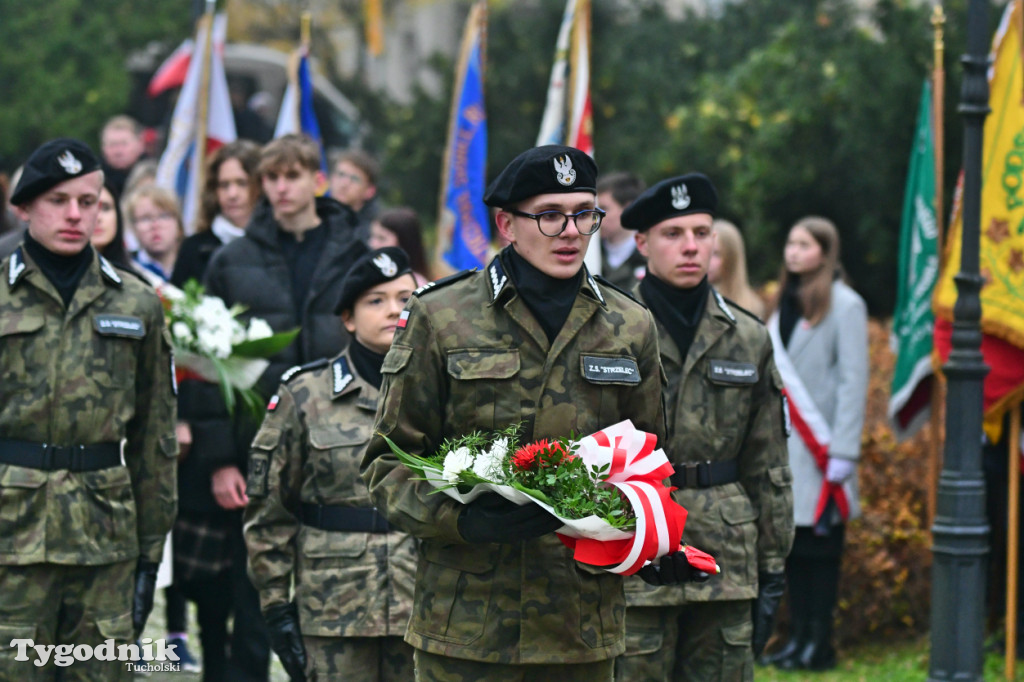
(57, 457)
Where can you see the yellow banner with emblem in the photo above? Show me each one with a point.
(1002, 197)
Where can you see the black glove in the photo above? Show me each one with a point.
(492, 518)
(770, 587)
(671, 569)
(145, 587)
(286, 639)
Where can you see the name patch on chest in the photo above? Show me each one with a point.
(119, 325)
(730, 372)
(602, 370)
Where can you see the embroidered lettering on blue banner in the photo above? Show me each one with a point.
(610, 370)
(730, 372)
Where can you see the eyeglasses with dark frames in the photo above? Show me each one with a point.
(553, 223)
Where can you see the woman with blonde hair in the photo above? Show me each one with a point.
(820, 338)
(155, 217)
(728, 269)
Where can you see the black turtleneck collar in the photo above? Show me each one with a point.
(64, 272)
(550, 299)
(679, 310)
(790, 308)
(367, 363)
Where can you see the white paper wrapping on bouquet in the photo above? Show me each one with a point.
(242, 373)
(592, 527)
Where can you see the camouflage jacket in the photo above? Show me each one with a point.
(69, 377)
(724, 402)
(308, 451)
(473, 357)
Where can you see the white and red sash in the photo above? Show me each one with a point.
(809, 423)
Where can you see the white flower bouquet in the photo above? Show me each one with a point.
(212, 344)
(607, 489)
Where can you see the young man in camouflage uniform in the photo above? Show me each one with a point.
(726, 438)
(87, 413)
(309, 518)
(532, 340)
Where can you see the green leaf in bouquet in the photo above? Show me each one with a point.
(266, 347)
(414, 462)
(532, 492)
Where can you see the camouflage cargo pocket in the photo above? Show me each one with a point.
(109, 514)
(21, 368)
(737, 550)
(483, 392)
(336, 579)
(23, 512)
(336, 451)
(10, 667)
(113, 361)
(453, 591)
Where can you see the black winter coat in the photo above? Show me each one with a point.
(252, 271)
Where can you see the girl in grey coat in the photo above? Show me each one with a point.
(820, 336)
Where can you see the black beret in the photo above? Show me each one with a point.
(682, 195)
(381, 265)
(549, 169)
(53, 163)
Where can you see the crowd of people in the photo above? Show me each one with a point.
(302, 534)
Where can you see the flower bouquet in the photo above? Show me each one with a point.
(606, 488)
(212, 344)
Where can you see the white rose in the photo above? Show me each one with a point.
(489, 464)
(258, 329)
(215, 342)
(455, 463)
(181, 332)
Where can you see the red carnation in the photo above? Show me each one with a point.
(525, 458)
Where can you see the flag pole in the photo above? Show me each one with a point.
(938, 21)
(1012, 543)
(204, 93)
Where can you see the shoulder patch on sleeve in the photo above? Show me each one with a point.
(605, 283)
(444, 281)
(290, 374)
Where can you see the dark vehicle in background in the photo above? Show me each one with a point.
(257, 77)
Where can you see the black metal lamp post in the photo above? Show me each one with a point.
(961, 531)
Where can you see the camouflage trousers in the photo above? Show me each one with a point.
(698, 642)
(53, 604)
(435, 668)
(358, 659)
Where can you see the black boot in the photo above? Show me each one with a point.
(797, 642)
(819, 654)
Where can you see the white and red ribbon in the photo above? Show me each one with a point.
(638, 470)
(809, 422)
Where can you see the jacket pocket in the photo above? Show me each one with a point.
(737, 551)
(483, 392)
(109, 515)
(336, 583)
(23, 512)
(453, 587)
(20, 363)
(333, 463)
(113, 360)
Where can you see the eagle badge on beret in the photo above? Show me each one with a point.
(69, 163)
(564, 172)
(680, 197)
(386, 265)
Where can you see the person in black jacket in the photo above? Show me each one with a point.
(229, 196)
(286, 269)
(202, 550)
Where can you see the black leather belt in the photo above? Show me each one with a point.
(26, 453)
(705, 474)
(347, 519)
